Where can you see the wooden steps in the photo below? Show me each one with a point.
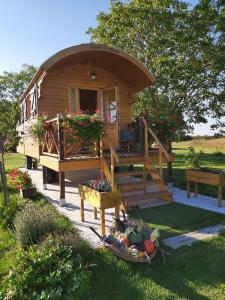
(132, 173)
(137, 185)
(138, 198)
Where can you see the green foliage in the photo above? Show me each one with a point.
(9, 114)
(13, 84)
(38, 129)
(83, 127)
(48, 271)
(7, 213)
(100, 185)
(182, 46)
(218, 153)
(35, 221)
(193, 159)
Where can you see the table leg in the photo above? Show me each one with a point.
(95, 212)
(220, 195)
(188, 189)
(82, 209)
(102, 221)
(196, 189)
(117, 212)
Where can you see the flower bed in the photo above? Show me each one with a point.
(22, 181)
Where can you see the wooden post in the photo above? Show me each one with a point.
(82, 209)
(188, 189)
(117, 212)
(196, 189)
(62, 188)
(161, 163)
(4, 185)
(60, 138)
(95, 212)
(44, 177)
(61, 157)
(141, 135)
(112, 169)
(102, 221)
(220, 195)
(28, 162)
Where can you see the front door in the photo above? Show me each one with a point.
(110, 114)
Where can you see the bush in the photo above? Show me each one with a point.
(48, 271)
(7, 213)
(35, 221)
(218, 153)
(193, 159)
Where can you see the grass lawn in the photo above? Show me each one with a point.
(209, 160)
(191, 272)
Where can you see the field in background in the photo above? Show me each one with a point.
(212, 144)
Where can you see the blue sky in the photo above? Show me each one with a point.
(31, 30)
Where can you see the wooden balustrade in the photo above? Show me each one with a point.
(62, 143)
(162, 149)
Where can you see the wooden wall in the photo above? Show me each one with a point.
(55, 89)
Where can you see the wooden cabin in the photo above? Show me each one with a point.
(89, 77)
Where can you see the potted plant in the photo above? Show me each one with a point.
(99, 193)
(22, 182)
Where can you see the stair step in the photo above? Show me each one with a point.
(132, 173)
(137, 199)
(127, 161)
(137, 185)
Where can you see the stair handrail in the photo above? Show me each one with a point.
(161, 147)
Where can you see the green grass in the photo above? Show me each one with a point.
(209, 159)
(13, 160)
(7, 250)
(195, 272)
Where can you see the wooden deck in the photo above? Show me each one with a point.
(85, 162)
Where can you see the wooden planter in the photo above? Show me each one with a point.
(206, 176)
(28, 192)
(100, 200)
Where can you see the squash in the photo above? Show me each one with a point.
(149, 246)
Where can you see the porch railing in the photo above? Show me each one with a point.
(162, 150)
(62, 143)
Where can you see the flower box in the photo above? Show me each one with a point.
(30, 192)
(100, 200)
(206, 176)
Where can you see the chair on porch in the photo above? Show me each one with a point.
(126, 139)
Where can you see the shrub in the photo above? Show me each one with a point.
(7, 213)
(218, 153)
(193, 159)
(35, 221)
(48, 271)
(19, 179)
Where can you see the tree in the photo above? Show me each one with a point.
(12, 85)
(181, 46)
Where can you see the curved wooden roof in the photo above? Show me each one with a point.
(125, 67)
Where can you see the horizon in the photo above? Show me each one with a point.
(36, 32)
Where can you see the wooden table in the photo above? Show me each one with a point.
(206, 177)
(99, 201)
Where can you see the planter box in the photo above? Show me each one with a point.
(101, 200)
(28, 192)
(206, 176)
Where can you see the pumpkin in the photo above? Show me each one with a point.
(125, 241)
(149, 246)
